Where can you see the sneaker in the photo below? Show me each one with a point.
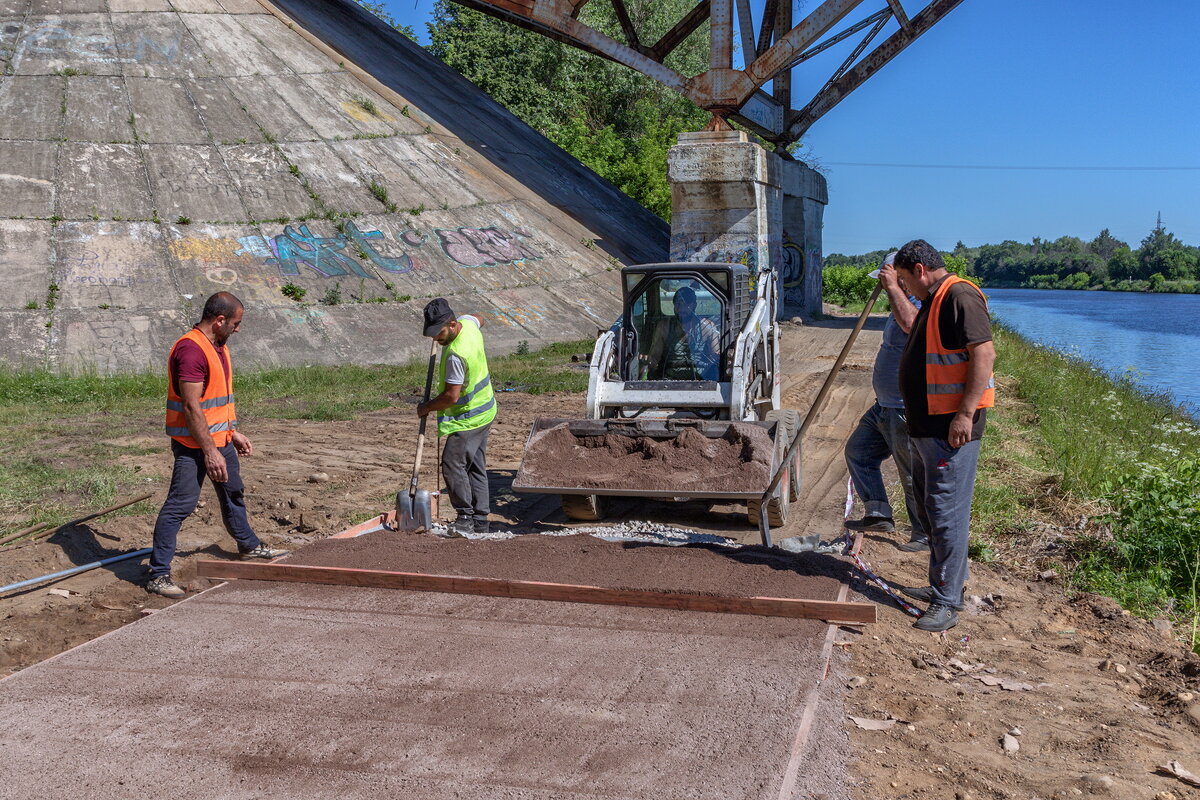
(915, 546)
(483, 525)
(925, 595)
(461, 527)
(936, 619)
(873, 524)
(163, 585)
(263, 552)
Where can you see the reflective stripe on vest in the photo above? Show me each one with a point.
(217, 401)
(477, 406)
(946, 370)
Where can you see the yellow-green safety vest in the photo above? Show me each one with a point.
(476, 405)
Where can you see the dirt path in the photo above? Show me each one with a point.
(1100, 699)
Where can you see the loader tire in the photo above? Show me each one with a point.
(583, 507)
(779, 506)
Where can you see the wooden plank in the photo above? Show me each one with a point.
(831, 611)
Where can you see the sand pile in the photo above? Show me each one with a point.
(738, 461)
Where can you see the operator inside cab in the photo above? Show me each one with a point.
(685, 346)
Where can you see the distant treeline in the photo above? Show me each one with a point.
(1161, 263)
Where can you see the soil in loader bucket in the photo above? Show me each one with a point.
(739, 460)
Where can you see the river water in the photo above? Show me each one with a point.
(1157, 336)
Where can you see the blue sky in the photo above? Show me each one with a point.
(1012, 83)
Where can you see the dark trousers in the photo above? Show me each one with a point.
(186, 479)
(464, 465)
(944, 484)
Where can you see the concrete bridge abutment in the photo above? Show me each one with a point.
(733, 201)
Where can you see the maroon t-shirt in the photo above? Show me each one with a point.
(189, 365)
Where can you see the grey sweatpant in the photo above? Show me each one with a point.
(882, 432)
(944, 484)
(464, 465)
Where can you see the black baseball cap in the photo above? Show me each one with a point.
(437, 314)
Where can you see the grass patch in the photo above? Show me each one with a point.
(54, 466)
(1090, 473)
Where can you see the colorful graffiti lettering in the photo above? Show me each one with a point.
(351, 251)
(480, 247)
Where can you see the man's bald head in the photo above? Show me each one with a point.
(221, 304)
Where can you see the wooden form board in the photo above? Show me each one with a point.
(827, 610)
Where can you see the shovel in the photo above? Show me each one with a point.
(414, 508)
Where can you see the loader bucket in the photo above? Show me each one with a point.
(666, 458)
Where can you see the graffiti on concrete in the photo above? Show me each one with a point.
(97, 45)
(747, 256)
(485, 247)
(351, 251)
(792, 271)
(515, 316)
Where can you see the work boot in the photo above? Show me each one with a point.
(915, 545)
(162, 584)
(873, 524)
(261, 552)
(936, 619)
(925, 595)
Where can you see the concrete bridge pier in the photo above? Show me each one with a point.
(732, 201)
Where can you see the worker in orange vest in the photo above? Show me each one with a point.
(202, 423)
(947, 384)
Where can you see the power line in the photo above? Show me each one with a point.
(1008, 167)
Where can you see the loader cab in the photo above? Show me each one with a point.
(680, 321)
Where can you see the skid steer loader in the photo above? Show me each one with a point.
(696, 349)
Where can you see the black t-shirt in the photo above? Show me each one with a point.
(963, 321)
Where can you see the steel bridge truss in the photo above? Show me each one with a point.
(779, 45)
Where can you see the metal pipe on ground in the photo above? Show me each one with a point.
(75, 570)
(41, 529)
(813, 410)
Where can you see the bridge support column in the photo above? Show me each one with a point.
(726, 200)
(805, 195)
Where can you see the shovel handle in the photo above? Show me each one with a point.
(412, 488)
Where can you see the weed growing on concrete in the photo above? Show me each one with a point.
(51, 296)
(32, 305)
(183, 220)
(523, 347)
(379, 191)
(590, 244)
(333, 295)
(104, 306)
(68, 72)
(293, 291)
(367, 105)
(417, 211)
(55, 219)
(404, 112)
(292, 168)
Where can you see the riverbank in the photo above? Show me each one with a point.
(1085, 283)
(1091, 479)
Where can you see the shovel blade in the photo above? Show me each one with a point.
(414, 512)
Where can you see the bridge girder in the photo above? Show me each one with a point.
(772, 52)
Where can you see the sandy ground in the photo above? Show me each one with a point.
(1100, 699)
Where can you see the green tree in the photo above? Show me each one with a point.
(617, 121)
(1123, 264)
(1105, 244)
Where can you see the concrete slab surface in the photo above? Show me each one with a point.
(251, 137)
(268, 690)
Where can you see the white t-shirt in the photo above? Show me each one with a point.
(456, 368)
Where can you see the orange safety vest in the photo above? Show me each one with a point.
(216, 402)
(946, 370)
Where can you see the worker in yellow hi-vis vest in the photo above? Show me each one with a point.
(465, 409)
